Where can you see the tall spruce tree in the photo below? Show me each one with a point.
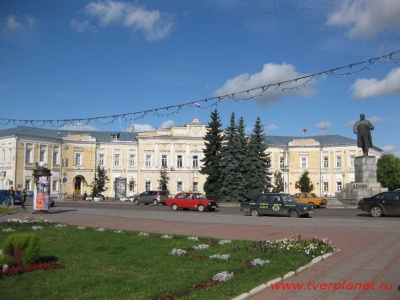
(164, 178)
(257, 163)
(233, 181)
(100, 181)
(212, 156)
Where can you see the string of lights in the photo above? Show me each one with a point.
(244, 95)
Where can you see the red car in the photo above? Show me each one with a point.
(191, 200)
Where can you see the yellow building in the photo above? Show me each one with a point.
(136, 159)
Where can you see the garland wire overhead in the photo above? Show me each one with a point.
(245, 95)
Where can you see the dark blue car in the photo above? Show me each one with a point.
(4, 197)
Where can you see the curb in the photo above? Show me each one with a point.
(288, 275)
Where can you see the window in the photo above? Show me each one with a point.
(338, 186)
(117, 161)
(195, 186)
(28, 156)
(195, 161)
(338, 161)
(28, 184)
(179, 186)
(148, 160)
(281, 162)
(179, 161)
(55, 185)
(56, 158)
(42, 155)
(132, 160)
(164, 160)
(101, 159)
(352, 161)
(78, 159)
(147, 185)
(325, 186)
(9, 155)
(326, 162)
(303, 162)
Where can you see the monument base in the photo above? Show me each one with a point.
(366, 184)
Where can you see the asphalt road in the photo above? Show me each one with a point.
(329, 217)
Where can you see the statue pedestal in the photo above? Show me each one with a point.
(366, 184)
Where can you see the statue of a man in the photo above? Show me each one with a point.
(363, 130)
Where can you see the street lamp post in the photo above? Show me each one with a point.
(62, 160)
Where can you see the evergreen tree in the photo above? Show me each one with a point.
(233, 181)
(278, 182)
(164, 178)
(257, 163)
(212, 156)
(304, 183)
(388, 172)
(100, 181)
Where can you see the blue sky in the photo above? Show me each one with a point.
(84, 60)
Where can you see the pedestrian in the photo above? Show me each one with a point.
(84, 196)
(23, 198)
(11, 194)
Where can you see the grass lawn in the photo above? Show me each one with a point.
(108, 264)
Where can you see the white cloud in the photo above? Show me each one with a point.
(153, 24)
(78, 126)
(367, 88)
(367, 18)
(167, 124)
(81, 26)
(270, 74)
(389, 149)
(143, 127)
(271, 127)
(15, 27)
(374, 119)
(324, 125)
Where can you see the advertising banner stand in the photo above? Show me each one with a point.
(41, 199)
(120, 188)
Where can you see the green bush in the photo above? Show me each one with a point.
(22, 247)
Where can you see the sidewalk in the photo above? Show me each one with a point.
(366, 256)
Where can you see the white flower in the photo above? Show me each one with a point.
(8, 230)
(37, 227)
(201, 247)
(178, 252)
(5, 267)
(166, 236)
(223, 242)
(81, 227)
(143, 234)
(61, 225)
(223, 276)
(118, 231)
(259, 262)
(220, 256)
(100, 229)
(193, 238)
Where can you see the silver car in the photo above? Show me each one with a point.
(151, 197)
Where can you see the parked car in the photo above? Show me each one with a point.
(280, 204)
(381, 204)
(153, 197)
(191, 200)
(311, 198)
(4, 197)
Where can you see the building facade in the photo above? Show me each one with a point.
(135, 160)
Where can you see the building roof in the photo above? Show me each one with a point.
(100, 136)
(105, 136)
(324, 140)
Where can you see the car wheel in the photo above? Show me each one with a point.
(200, 208)
(293, 214)
(174, 207)
(136, 201)
(155, 202)
(254, 213)
(376, 211)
